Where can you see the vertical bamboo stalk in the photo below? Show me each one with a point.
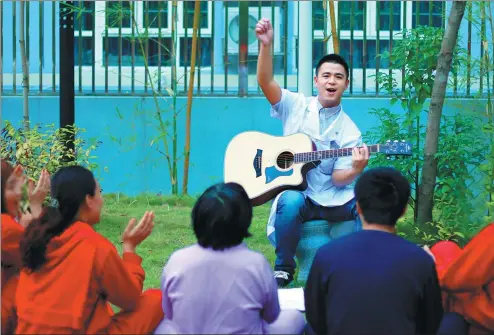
(482, 51)
(14, 47)
(197, 13)
(121, 16)
(174, 98)
(160, 4)
(364, 51)
(79, 40)
(334, 34)
(212, 49)
(53, 49)
(93, 57)
(146, 44)
(25, 69)
(132, 51)
(469, 48)
(1, 49)
(352, 22)
(41, 48)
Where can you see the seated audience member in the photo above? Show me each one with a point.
(220, 286)
(468, 285)
(70, 273)
(12, 231)
(374, 281)
(444, 252)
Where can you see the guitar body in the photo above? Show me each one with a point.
(263, 164)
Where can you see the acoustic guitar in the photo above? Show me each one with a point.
(266, 165)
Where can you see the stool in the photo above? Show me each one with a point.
(314, 235)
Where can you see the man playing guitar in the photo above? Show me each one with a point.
(329, 194)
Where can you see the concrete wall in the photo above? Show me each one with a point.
(126, 127)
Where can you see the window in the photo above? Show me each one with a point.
(358, 56)
(203, 50)
(372, 53)
(84, 14)
(317, 52)
(318, 21)
(154, 55)
(157, 14)
(380, 16)
(262, 3)
(188, 14)
(385, 8)
(357, 51)
(429, 13)
(351, 10)
(118, 13)
(86, 51)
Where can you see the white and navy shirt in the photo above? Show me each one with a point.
(329, 128)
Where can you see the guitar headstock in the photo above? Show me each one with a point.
(396, 148)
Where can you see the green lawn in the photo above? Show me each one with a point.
(172, 230)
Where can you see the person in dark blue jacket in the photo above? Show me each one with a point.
(374, 281)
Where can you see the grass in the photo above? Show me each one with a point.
(172, 229)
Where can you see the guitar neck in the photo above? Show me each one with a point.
(312, 156)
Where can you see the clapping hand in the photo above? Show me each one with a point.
(134, 234)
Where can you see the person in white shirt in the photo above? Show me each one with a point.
(329, 194)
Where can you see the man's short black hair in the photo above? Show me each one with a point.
(382, 194)
(333, 58)
(222, 216)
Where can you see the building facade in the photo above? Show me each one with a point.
(109, 58)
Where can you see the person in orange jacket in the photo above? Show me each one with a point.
(70, 273)
(445, 252)
(467, 280)
(12, 231)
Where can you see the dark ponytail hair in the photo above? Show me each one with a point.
(69, 188)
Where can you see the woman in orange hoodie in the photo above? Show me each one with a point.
(70, 272)
(12, 231)
(467, 281)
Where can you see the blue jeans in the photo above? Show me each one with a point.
(293, 209)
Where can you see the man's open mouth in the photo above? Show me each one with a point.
(331, 90)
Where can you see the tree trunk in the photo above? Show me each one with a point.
(25, 69)
(334, 33)
(195, 27)
(429, 169)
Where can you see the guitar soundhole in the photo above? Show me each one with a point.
(285, 160)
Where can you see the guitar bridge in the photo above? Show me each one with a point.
(258, 163)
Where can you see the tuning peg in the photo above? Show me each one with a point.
(388, 141)
(396, 141)
(388, 158)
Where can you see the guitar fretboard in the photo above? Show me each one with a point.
(305, 157)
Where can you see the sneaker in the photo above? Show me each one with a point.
(283, 278)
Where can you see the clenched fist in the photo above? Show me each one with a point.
(264, 32)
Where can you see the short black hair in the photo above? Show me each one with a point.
(222, 215)
(333, 58)
(382, 194)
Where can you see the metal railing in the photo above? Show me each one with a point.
(111, 51)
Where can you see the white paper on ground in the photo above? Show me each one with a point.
(291, 298)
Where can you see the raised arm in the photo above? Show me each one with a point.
(270, 88)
